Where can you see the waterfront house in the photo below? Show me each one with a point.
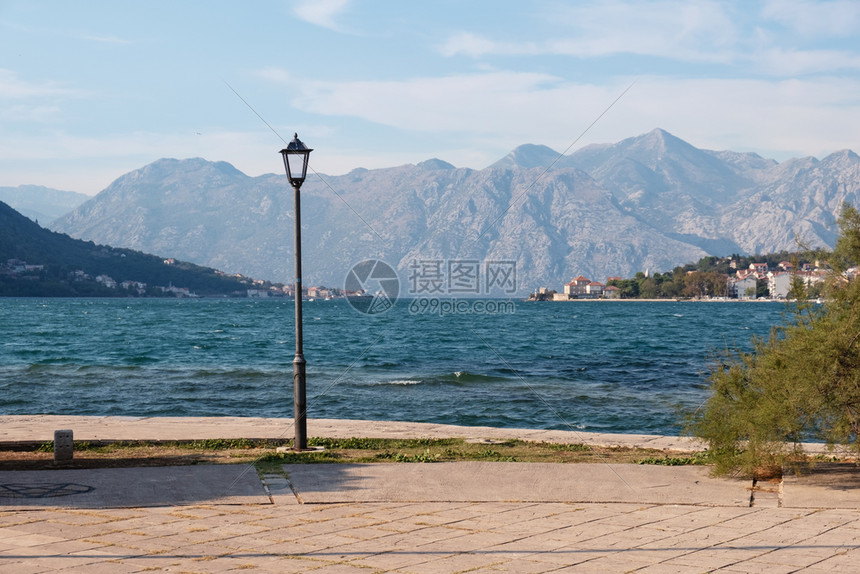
(106, 281)
(759, 269)
(594, 289)
(743, 286)
(779, 284)
(137, 286)
(577, 287)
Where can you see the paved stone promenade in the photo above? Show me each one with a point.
(411, 518)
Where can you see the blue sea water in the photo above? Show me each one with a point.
(623, 367)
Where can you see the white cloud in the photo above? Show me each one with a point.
(28, 113)
(453, 103)
(476, 46)
(700, 31)
(781, 119)
(816, 19)
(320, 12)
(274, 75)
(105, 39)
(779, 62)
(12, 87)
(692, 31)
(494, 112)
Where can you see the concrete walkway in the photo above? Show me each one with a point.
(411, 518)
(40, 428)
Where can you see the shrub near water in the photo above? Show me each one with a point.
(801, 384)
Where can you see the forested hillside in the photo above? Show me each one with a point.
(38, 262)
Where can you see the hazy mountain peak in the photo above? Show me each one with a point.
(188, 165)
(528, 156)
(41, 203)
(434, 164)
(658, 141)
(843, 157)
(745, 162)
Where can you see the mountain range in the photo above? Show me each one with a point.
(650, 202)
(41, 203)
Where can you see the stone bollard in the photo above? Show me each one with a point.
(64, 446)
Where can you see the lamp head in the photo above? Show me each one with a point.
(296, 156)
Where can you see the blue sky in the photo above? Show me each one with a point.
(90, 90)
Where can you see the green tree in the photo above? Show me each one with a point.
(696, 284)
(648, 289)
(629, 288)
(762, 291)
(802, 383)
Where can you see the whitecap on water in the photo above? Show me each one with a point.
(399, 382)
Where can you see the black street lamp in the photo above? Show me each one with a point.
(296, 156)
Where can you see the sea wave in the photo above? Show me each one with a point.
(467, 377)
(398, 382)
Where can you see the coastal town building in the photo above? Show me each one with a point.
(17, 267)
(743, 287)
(136, 286)
(612, 292)
(594, 289)
(745, 283)
(577, 287)
(760, 269)
(106, 281)
(581, 287)
(779, 284)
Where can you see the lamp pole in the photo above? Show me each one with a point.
(296, 163)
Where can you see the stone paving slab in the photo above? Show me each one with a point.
(512, 481)
(826, 486)
(132, 487)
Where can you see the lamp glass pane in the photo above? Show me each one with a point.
(296, 163)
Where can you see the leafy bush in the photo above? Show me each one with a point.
(801, 384)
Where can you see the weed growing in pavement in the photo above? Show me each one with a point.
(696, 458)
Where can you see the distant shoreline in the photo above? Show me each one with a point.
(674, 300)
